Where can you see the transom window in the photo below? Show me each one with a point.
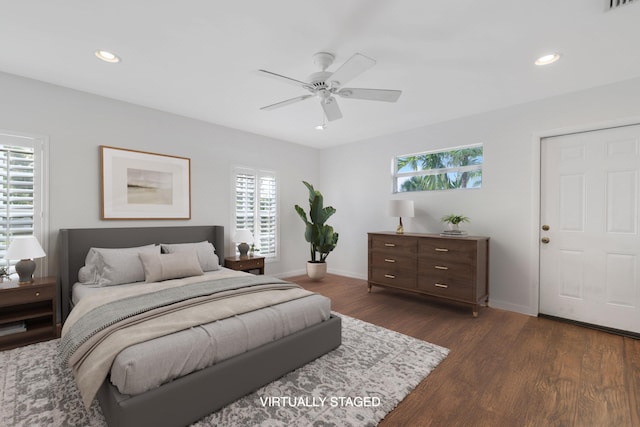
(449, 169)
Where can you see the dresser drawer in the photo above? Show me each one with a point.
(394, 277)
(445, 268)
(393, 260)
(450, 250)
(443, 284)
(394, 245)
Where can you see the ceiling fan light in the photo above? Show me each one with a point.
(547, 59)
(107, 56)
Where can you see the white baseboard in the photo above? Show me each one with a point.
(502, 305)
(290, 273)
(347, 274)
(301, 272)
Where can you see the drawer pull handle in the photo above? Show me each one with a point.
(389, 260)
(440, 267)
(390, 245)
(441, 285)
(37, 294)
(442, 250)
(389, 276)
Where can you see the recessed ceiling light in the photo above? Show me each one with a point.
(107, 56)
(548, 59)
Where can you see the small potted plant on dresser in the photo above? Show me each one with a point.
(321, 237)
(454, 222)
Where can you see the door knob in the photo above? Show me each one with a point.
(545, 240)
(545, 227)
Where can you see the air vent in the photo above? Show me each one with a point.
(614, 4)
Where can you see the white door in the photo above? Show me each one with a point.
(590, 250)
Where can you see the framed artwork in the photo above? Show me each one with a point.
(141, 185)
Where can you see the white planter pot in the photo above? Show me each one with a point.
(316, 270)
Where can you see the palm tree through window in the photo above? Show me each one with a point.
(439, 170)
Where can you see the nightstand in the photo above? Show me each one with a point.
(245, 263)
(27, 312)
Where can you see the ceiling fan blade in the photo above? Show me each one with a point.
(286, 102)
(370, 94)
(354, 66)
(284, 79)
(331, 109)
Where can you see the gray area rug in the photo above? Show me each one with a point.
(355, 385)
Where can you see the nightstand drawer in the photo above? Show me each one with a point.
(245, 264)
(26, 295)
(250, 264)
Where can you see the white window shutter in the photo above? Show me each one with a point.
(256, 207)
(17, 213)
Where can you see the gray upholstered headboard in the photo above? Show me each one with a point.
(76, 242)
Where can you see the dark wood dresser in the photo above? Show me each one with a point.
(450, 268)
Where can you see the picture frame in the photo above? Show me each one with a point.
(138, 185)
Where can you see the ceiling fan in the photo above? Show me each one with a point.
(325, 84)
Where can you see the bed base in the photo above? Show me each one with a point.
(190, 398)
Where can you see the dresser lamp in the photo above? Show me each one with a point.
(25, 248)
(243, 237)
(401, 208)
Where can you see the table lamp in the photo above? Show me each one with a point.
(243, 237)
(25, 248)
(401, 208)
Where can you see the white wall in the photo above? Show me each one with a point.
(77, 123)
(356, 179)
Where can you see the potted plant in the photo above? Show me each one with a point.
(454, 220)
(4, 273)
(321, 237)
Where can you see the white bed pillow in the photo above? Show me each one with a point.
(114, 266)
(207, 257)
(158, 267)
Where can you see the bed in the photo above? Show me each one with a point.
(188, 398)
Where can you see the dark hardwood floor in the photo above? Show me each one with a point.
(504, 368)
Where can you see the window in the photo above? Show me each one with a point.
(22, 192)
(438, 170)
(256, 208)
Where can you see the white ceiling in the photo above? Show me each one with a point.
(199, 58)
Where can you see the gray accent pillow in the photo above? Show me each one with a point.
(158, 267)
(114, 266)
(207, 257)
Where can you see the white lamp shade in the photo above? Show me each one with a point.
(401, 208)
(24, 247)
(243, 236)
